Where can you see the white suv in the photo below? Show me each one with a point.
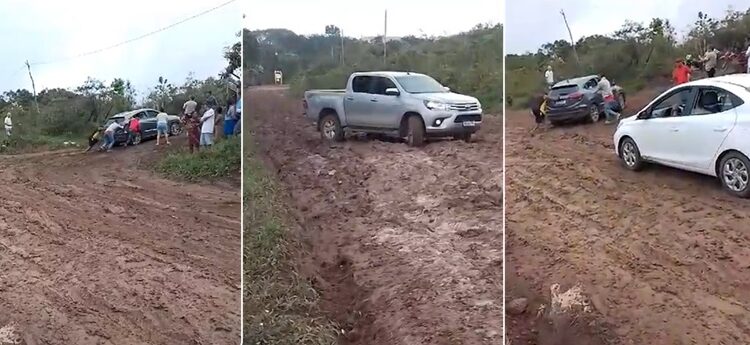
(701, 126)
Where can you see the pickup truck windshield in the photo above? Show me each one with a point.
(420, 84)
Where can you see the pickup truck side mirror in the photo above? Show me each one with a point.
(644, 114)
(392, 91)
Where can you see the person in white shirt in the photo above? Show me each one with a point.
(162, 126)
(747, 55)
(189, 107)
(8, 125)
(549, 77)
(109, 136)
(207, 126)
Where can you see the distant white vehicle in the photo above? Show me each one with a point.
(278, 77)
(701, 126)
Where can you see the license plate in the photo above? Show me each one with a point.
(560, 102)
(469, 123)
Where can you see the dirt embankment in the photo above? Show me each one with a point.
(405, 244)
(662, 256)
(96, 250)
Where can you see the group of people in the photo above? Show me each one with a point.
(683, 68)
(200, 128)
(538, 103)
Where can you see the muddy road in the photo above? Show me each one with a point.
(405, 244)
(95, 249)
(662, 255)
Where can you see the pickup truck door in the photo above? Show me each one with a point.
(386, 110)
(357, 102)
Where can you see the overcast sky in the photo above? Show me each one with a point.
(42, 30)
(359, 18)
(531, 23)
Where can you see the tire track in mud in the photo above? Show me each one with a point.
(409, 238)
(663, 253)
(95, 252)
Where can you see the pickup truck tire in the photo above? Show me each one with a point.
(414, 131)
(465, 137)
(330, 128)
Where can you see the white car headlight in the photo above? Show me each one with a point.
(432, 105)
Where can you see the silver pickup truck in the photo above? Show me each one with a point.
(402, 104)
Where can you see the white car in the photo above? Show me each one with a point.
(701, 126)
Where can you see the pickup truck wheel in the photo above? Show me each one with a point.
(330, 128)
(464, 136)
(415, 131)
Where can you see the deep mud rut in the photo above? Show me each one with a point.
(662, 255)
(94, 249)
(405, 244)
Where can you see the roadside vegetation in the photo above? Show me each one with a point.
(634, 56)
(280, 305)
(221, 161)
(468, 63)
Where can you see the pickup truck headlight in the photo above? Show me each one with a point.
(432, 105)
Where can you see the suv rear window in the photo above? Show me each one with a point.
(559, 91)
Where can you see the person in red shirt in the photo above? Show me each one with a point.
(680, 73)
(134, 127)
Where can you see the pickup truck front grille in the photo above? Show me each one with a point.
(469, 117)
(465, 106)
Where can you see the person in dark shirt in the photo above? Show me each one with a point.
(211, 101)
(538, 105)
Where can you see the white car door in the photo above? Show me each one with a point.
(655, 132)
(706, 127)
(357, 104)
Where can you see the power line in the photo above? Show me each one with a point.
(135, 38)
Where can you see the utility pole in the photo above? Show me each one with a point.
(341, 32)
(572, 43)
(385, 40)
(33, 87)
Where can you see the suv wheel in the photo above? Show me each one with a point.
(136, 139)
(330, 128)
(733, 173)
(175, 129)
(593, 113)
(630, 155)
(415, 131)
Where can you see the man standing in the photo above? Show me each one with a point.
(610, 104)
(211, 101)
(189, 107)
(680, 73)
(8, 125)
(549, 77)
(747, 58)
(207, 126)
(710, 59)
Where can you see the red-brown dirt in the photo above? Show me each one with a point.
(405, 243)
(95, 249)
(661, 255)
